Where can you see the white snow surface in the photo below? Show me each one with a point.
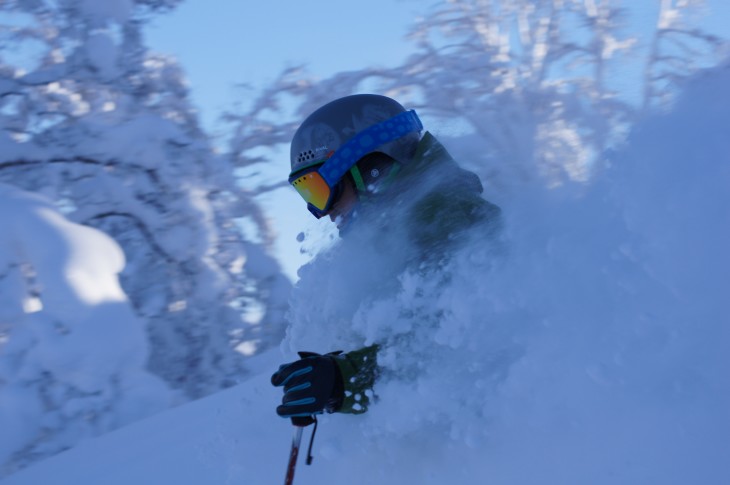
(592, 348)
(77, 352)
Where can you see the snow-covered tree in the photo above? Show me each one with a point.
(678, 48)
(105, 129)
(72, 351)
(527, 85)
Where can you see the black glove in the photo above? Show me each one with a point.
(312, 385)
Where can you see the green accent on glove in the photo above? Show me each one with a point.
(359, 370)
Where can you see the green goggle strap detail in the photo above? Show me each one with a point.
(357, 177)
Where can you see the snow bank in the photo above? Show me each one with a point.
(72, 365)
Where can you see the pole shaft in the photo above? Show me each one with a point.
(296, 441)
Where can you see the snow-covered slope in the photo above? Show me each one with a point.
(593, 350)
(230, 437)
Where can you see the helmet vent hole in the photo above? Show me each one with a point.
(305, 156)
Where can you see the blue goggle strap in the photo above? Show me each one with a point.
(365, 142)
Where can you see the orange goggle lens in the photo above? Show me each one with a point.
(313, 189)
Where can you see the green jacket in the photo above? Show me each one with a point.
(441, 202)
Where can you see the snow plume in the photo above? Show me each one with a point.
(591, 349)
(72, 363)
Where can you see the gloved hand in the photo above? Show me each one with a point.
(312, 385)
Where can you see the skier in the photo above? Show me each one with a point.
(361, 160)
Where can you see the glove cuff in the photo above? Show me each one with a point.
(357, 371)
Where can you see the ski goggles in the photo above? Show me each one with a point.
(318, 183)
(315, 191)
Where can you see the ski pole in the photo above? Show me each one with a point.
(299, 422)
(295, 443)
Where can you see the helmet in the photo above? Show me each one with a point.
(360, 133)
(328, 128)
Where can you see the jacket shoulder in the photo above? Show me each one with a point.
(451, 202)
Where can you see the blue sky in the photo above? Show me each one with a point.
(251, 42)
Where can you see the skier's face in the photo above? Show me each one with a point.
(342, 209)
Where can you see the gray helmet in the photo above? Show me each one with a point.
(332, 125)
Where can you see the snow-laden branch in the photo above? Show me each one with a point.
(140, 225)
(150, 173)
